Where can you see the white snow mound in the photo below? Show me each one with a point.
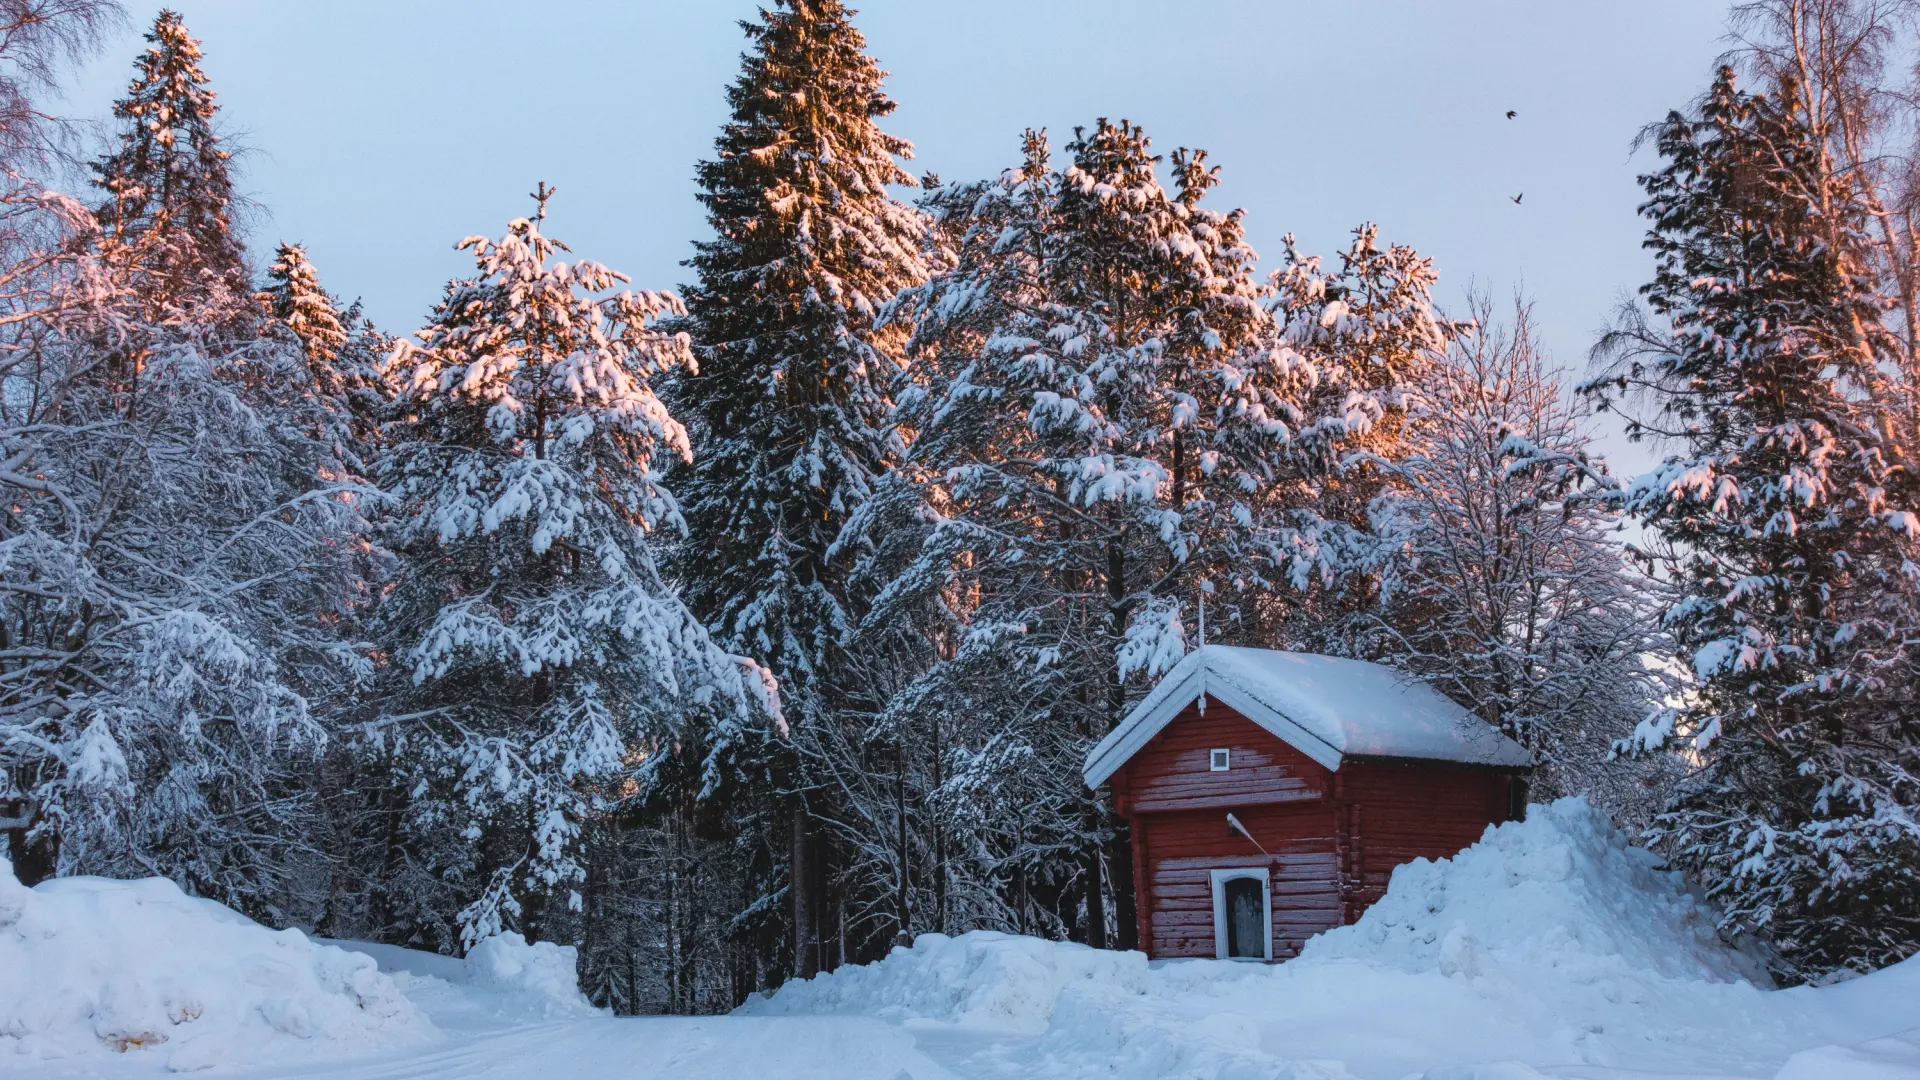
(503, 982)
(983, 979)
(1562, 894)
(94, 966)
(543, 973)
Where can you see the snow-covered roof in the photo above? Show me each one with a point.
(1326, 707)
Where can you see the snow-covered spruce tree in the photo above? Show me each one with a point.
(353, 785)
(541, 654)
(343, 350)
(169, 207)
(293, 296)
(790, 395)
(1375, 337)
(1790, 537)
(1103, 398)
(1503, 579)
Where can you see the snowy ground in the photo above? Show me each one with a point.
(1550, 949)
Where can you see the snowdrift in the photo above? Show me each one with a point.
(502, 982)
(544, 972)
(983, 980)
(1552, 940)
(1560, 895)
(93, 966)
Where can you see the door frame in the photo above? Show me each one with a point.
(1218, 880)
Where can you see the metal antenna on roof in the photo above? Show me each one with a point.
(1201, 591)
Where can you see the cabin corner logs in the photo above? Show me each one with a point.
(1328, 839)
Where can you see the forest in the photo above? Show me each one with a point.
(737, 629)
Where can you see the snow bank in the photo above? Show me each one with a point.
(1095, 1012)
(1894, 1057)
(983, 980)
(543, 971)
(503, 981)
(1561, 895)
(1552, 941)
(93, 966)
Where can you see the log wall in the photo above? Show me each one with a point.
(1402, 811)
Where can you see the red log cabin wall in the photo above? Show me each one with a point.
(1332, 839)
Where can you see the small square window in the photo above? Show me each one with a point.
(1219, 760)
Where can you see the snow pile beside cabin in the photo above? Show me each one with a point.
(1552, 940)
(93, 966)
(1561, 895)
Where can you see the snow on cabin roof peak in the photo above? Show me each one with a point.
(1326, 707)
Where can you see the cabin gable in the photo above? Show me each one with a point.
(1174, 770)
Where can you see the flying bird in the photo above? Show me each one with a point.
(1517, 198)
(1511, 114)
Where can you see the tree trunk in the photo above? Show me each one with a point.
(633, 981)
(679, 950)
(1179, 474)
(1119, 852)
(1022, 896)
(392, 856)
(1096, 934)
(36, 862)
(903, 913)
(806, 930)
(1120, 872)
(939, 836)
(531, 897)
(591, 923)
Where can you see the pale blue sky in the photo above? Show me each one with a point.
(381, 133)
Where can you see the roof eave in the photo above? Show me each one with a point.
(1139, 728)
(1404, 759)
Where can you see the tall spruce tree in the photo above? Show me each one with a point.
(1375, 337)
(791, 392)
(168, 211)
(1790, 536)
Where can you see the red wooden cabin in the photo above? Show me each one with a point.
(1271, 794)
